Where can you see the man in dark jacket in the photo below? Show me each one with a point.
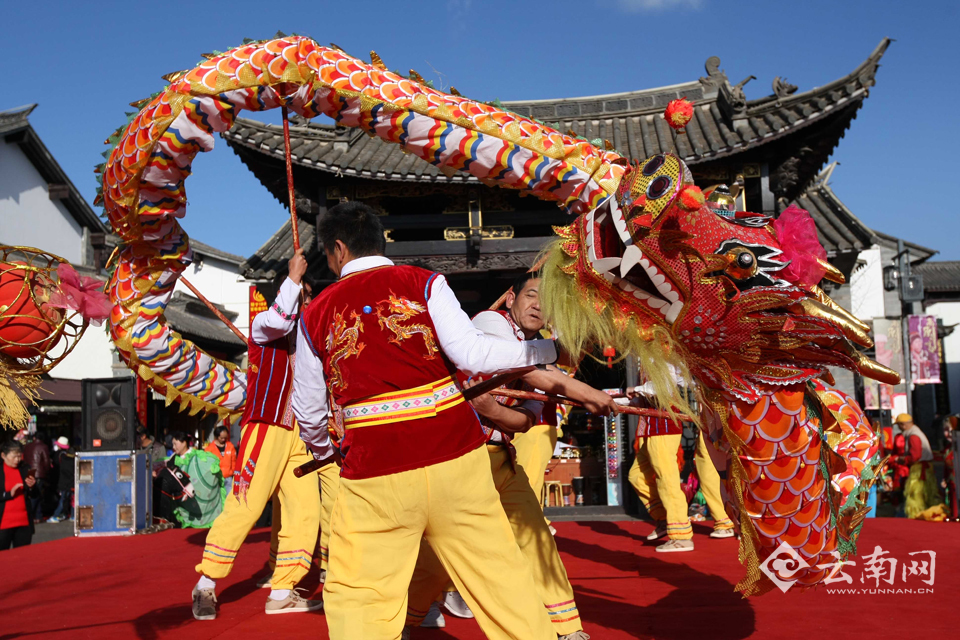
(37, 456)
(65, 483)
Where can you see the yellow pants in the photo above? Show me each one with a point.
(656, 479)
(282, 452)
(329, 484)
(710, 486)
(534, 451)
(378, 524)
(329, 487)
(533, 537)
(920, 491)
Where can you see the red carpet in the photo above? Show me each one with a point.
(140, 587)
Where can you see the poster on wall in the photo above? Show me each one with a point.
(924, 352)
(871, 394)
(889, 345)
(257, 303)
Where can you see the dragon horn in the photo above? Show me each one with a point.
(817, 309)
(822, 296)
(832, 274)
(869, 368)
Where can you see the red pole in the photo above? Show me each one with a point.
(213, 308)
(293, 200)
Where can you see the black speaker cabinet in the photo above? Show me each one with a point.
(109, 414)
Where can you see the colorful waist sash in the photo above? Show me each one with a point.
(399, 406)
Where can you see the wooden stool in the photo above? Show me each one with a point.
(550, 488)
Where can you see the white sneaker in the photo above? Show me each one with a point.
(671, 546)
(323, 576)
(453, 603)
(576, 635)
(293, 603)
(264, 581)
(722, 533)
(659, 531)
(553, 530)
(434, 619)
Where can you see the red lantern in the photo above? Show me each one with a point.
(609, 353)
(26, 329)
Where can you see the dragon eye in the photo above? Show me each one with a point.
(659, 186)
(652, 165)
(743, 264)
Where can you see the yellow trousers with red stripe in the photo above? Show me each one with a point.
(282, 452)
(534, 452)
(378, 524)
(539, 549)
(329, 484)
(656, 479)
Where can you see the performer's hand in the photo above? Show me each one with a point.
(333, 457)
(297, 266)
(31, 481)
(17, 488)
(600, 403)
(484, 404)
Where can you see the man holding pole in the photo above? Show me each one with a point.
(384, 343)
(270, 450)
(522, 321)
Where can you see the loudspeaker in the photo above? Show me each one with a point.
(109, 414)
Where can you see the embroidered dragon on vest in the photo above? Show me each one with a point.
(343, 341)
(401, 310)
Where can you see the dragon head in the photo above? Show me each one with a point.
(660, 271)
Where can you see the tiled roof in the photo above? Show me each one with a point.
(725, 123)
(272, 257)
(943, 276)
(839, 229)
(192, 318)
(204, 249)
(15, 128)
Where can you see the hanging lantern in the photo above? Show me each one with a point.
(609, 353)
(29, 326)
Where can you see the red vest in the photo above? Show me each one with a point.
(372, 331)
(269, 383)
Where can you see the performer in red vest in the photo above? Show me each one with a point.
(387, 341)
(270, 449)
(503, 418)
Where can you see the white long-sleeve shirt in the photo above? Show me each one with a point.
(281, 318)
(466, 346)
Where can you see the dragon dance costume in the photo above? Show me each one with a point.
(524, 512)
(387, 341)
(270, 449)
(648, 267)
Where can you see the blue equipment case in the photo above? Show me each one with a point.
(114, 493)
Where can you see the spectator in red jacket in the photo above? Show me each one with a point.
(18, 483)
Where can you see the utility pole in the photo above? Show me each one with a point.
(906, 308)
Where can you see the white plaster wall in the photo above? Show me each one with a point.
(91, 358)
(866, 286)
(221, 283)
(28, 216)
(949, 312)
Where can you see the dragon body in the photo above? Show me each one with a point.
(727, 299)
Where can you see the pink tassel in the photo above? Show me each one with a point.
(797, 234)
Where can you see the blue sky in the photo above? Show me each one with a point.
(84, 62)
